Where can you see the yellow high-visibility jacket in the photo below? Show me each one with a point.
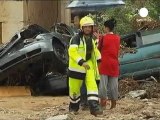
(77, 55)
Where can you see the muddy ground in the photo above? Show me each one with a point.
(41, 108)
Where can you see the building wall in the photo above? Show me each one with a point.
(16, 14)
(11, 18)
(43, 13)
(65, 13)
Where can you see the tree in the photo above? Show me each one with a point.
(127, 15)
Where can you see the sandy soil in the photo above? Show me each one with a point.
(41, 108)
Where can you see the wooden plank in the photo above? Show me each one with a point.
(14, 91)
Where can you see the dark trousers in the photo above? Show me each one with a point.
(84, 93)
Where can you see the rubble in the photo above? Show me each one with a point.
(124, 50)
(151, 114)
(127, 85)
(137, 94)
(42, 108)
(150, 89)
(147, 23)
(60, 117)
(145, 100)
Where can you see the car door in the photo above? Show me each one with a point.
(152, 59)
(131, 63)
(151, 52)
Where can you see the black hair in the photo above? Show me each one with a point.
(111, 23)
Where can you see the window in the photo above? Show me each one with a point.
(130, 41)
(152, 38)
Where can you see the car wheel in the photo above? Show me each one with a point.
(60, 52)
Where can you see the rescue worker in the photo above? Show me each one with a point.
(83, 57)
(84, 102)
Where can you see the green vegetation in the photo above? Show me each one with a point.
(127, 15)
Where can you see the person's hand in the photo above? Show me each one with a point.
(86, 66)
(96, 34)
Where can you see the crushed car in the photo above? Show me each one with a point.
(31, 54)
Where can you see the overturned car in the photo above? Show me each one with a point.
(145, 62)
(31, 54)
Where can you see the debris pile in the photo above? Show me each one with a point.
(124, 49)
(150, 89)
(127, 85)
(147, 23)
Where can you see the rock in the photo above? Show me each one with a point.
(62, 109)
(145, 100)
(60, 117)
(150, 103)
(157, 113)
(149, 113)
(137, 94)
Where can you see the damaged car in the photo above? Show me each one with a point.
(31, 54)
(145, 62)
